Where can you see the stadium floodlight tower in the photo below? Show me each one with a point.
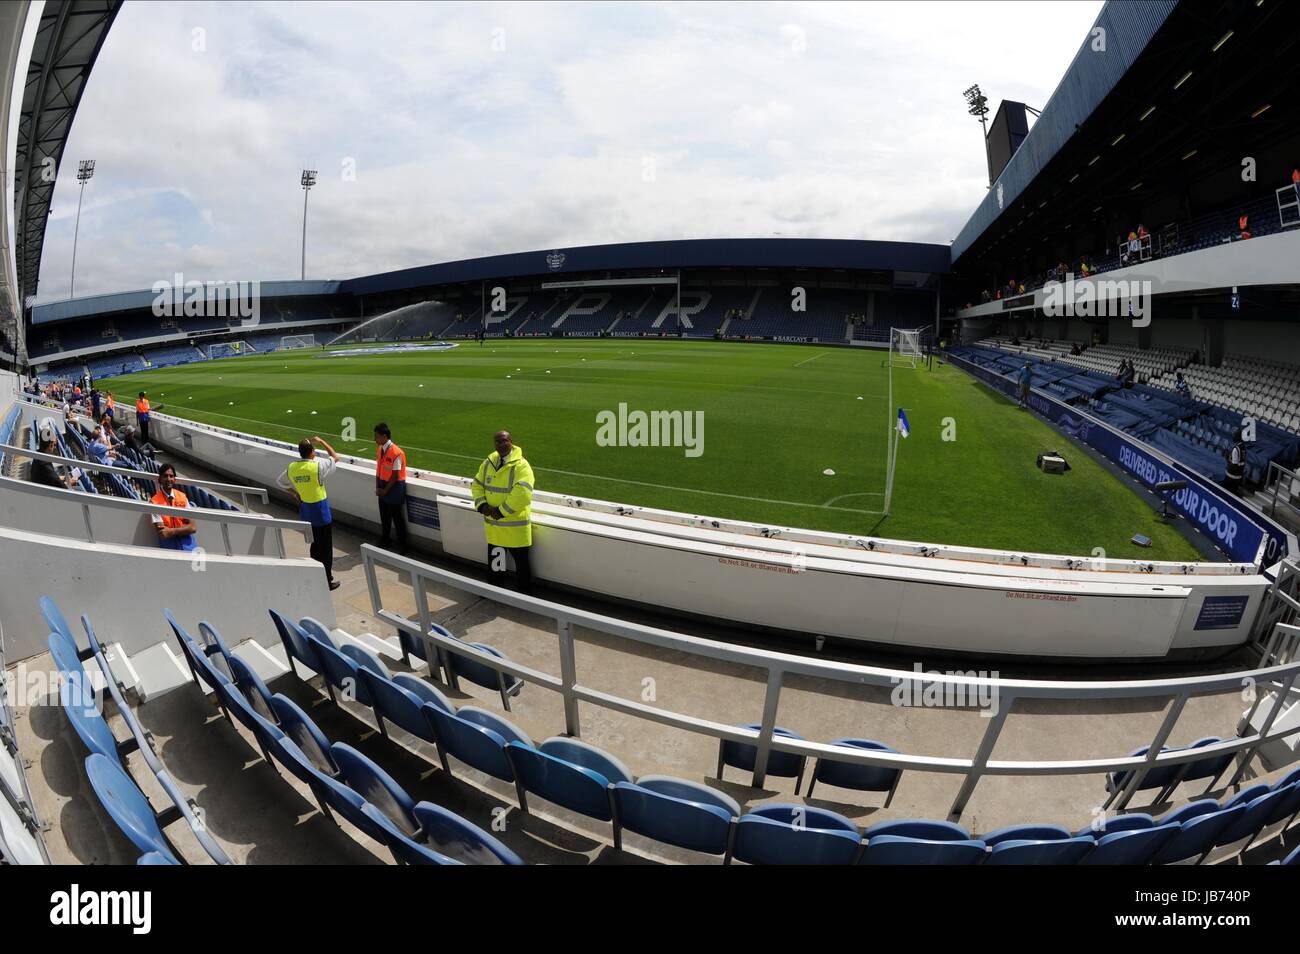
(308, 180)
(85, 170)
(977, 104)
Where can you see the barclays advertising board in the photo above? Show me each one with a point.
(1236, 530)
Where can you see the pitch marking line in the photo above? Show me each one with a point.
(813, 358)
(574, 473)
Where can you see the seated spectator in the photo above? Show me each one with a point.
(174, 533)
(44, 472)
(1074, 350)
(1181, 387)
(99, 449)
(131, 438)
(1243, 229)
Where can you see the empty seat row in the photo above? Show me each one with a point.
(343, 780)
(106, 764)
(584, 779)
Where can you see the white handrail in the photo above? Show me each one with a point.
(778, 665)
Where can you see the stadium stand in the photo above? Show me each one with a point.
(1194, 429)
(583, 779)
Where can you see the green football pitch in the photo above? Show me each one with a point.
(775, 418)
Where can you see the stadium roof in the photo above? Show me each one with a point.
(68, 41)
(1174, 99)
(684, 253)
(1127, 29)
(694, 253)
(143, 298)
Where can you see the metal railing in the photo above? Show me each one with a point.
(1277, 478)
(778, 666)
(224, 518)
(244, 492)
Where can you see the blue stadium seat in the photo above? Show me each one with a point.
(310, 741)
(423, 690)
(1135, 846)
(675, 811)
(1026, 832)
(396, 704)
(251, 685)
(861, 778)
(567, 772)
(340, 671)
(242, 712)
(743, 755)
(297, 648)
(365, 659)
(313, 627)
(215, 648)
(1240, 833)
(787, 834)
(481, 674)
(155, 858)
(455, 838)
(406, 850)
(1162, 777)
(1109, 824)
(476, 737)
(1210, 768)
(921, 842)
(200, 667)
(127, 806)
(54, 618)
(1060, 851)
(143, 740)
(376, 786)
(1291, 859)
(1201, 824)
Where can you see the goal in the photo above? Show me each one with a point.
(289, 342)
(905, 347)
(229, 349)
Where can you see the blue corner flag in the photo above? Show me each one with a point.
(903, 428)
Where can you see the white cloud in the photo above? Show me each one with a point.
(482, 128)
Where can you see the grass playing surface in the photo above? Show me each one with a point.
(775, 417)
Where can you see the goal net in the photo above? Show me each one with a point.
(905, 347)
(228, 349)
(289, 342)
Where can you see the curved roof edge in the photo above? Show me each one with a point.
(1129, 27)
(670, 254)
(685, 253)
(68, 40)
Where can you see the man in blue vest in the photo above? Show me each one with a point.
(305, 480)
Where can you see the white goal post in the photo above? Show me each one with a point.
(905, 347)
(229, 349)
(289, 342)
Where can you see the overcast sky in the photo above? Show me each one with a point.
(446, 130)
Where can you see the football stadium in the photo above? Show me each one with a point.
(785, 549)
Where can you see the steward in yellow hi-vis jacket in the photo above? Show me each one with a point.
(503, 494)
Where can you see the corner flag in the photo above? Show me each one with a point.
(903, 428)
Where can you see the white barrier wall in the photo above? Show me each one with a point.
(101, 519)
(124, 591)
(969, 601)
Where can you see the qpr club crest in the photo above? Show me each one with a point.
(555, 260)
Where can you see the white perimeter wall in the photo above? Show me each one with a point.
(124, 591)
(890, 599)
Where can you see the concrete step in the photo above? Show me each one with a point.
(158, 670)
